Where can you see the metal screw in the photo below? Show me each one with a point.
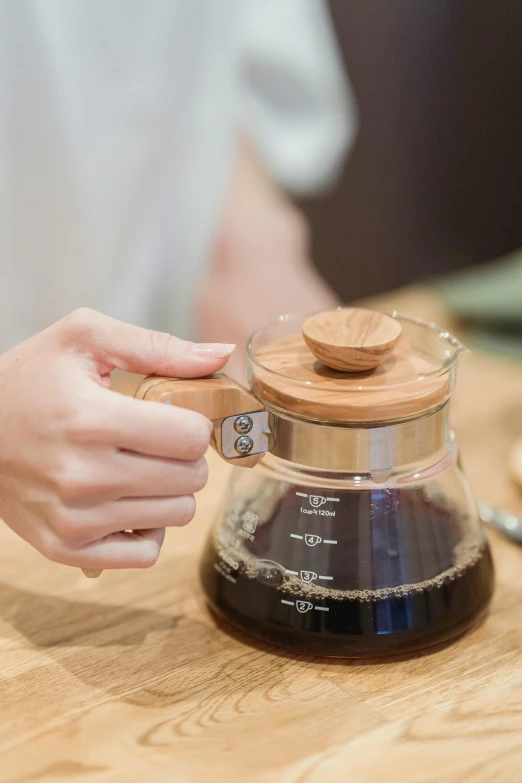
(244, 445)
(243, 424)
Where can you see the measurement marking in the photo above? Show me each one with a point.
(322, 608)
(327, 541)
(326, 577)
(334, 500)
(301, 494)
(293, 535)
(291, 572)
(288, 603)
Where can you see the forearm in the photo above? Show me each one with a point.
(261, 263)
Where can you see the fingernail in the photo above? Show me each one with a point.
(213, 350)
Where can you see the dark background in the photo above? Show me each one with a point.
(434, 181)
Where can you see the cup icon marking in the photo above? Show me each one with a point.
(311, 540)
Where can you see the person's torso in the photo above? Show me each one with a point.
(116, 119)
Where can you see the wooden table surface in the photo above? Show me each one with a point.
(128, 679)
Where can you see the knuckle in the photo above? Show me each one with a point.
(80, 328)
(77, 484)
(148, 555)
(52, 548)
(82, 427)
(199, 439)
(75, 427)
(71, 486)
(67, 529)
(48, 545)
(186, 510)
(162, 346)
(83, 320)
(199, 474)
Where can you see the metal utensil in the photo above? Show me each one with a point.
(510, 525)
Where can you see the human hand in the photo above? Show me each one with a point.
(81, 464)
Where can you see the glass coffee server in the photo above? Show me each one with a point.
(354, 532)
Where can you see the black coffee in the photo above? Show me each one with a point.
(354, 573)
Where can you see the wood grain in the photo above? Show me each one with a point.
(129, 678)
(217, 397)
(351, 339)
(291, 378)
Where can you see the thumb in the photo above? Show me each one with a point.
(114, 344)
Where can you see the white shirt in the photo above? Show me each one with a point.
(117, 126)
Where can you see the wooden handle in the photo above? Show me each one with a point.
(218, 398)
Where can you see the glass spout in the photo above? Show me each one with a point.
(437, 345)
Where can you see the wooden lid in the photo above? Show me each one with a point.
(411, 380)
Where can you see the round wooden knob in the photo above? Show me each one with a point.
(351, 339)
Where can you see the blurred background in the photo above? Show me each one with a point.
(147, 151)
(434, 181)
